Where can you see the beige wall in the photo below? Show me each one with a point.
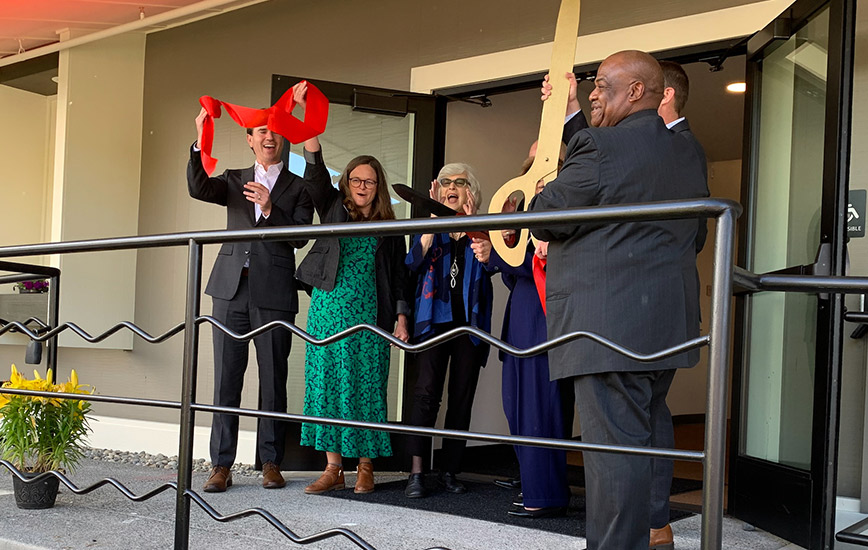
(97, 189)
(25, 127)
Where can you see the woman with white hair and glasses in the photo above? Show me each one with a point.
(453, 289)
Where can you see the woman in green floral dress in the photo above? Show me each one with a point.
(355, 280)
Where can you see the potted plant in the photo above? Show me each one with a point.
(39, 434)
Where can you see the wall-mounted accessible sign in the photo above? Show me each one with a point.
(856, 213)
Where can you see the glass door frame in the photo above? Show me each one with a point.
(802, 510)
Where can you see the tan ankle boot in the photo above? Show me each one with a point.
(331, 479)
(661, 539)
(365, 478)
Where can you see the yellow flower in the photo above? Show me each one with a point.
(16, 378)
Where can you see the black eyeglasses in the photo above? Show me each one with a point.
(459, 182)
(357, 182)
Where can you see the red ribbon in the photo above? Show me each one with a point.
(539, 279)
(278, 118)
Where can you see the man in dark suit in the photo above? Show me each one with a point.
(633, 283)
(676, 87)
(251, 284)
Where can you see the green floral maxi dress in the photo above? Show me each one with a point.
(348, 378)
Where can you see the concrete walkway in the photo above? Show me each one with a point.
(105, 519)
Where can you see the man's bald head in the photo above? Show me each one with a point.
(626, 82)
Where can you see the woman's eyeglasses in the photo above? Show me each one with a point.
(459, 182)
(358, 182)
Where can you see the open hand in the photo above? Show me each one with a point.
(434, 191)
(470, 205)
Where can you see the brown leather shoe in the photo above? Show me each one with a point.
(364, 478)
(271, 478)
(661, 539)
(330, 480)
(219, 480)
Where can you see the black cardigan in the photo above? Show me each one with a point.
(320, 267)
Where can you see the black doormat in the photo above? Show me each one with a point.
(484, 501)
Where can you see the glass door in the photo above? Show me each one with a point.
(789, 349)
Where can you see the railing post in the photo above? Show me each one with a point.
(718, 366)
(53, 321)
(188, 395)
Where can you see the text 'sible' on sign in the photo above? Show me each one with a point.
(856, 213)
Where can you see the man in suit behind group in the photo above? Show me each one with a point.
(676, 87)
(251, 284)
(633, 283)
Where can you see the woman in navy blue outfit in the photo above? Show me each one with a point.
(531, 401)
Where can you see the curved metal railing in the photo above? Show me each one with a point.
(712, 457)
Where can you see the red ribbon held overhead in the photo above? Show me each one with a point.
(278, 118)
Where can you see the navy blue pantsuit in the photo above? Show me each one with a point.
(531, 400)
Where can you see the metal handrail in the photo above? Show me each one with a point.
(712, 457)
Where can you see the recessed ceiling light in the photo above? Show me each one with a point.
(736, 87)
(55, 79)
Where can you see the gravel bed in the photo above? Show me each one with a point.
(162, 461)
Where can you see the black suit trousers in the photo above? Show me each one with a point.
(230, 363)
(618, 408)
(460, 357)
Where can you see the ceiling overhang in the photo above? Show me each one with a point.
(32, 33)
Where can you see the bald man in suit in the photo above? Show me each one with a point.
(634, 283)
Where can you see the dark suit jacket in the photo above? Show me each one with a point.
(320, 267)
(272, 263)
(633, 283)
(683, 129)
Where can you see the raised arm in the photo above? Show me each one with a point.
(574, 120)
(199, 185)
(317, 181)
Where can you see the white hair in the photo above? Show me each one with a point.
(455, 168)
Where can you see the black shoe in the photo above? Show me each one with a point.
(415, 487)
(519, 500)
(513, 483)
(451, 484)
(553, 512)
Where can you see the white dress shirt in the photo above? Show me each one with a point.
(674, 122)
(267, 178)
